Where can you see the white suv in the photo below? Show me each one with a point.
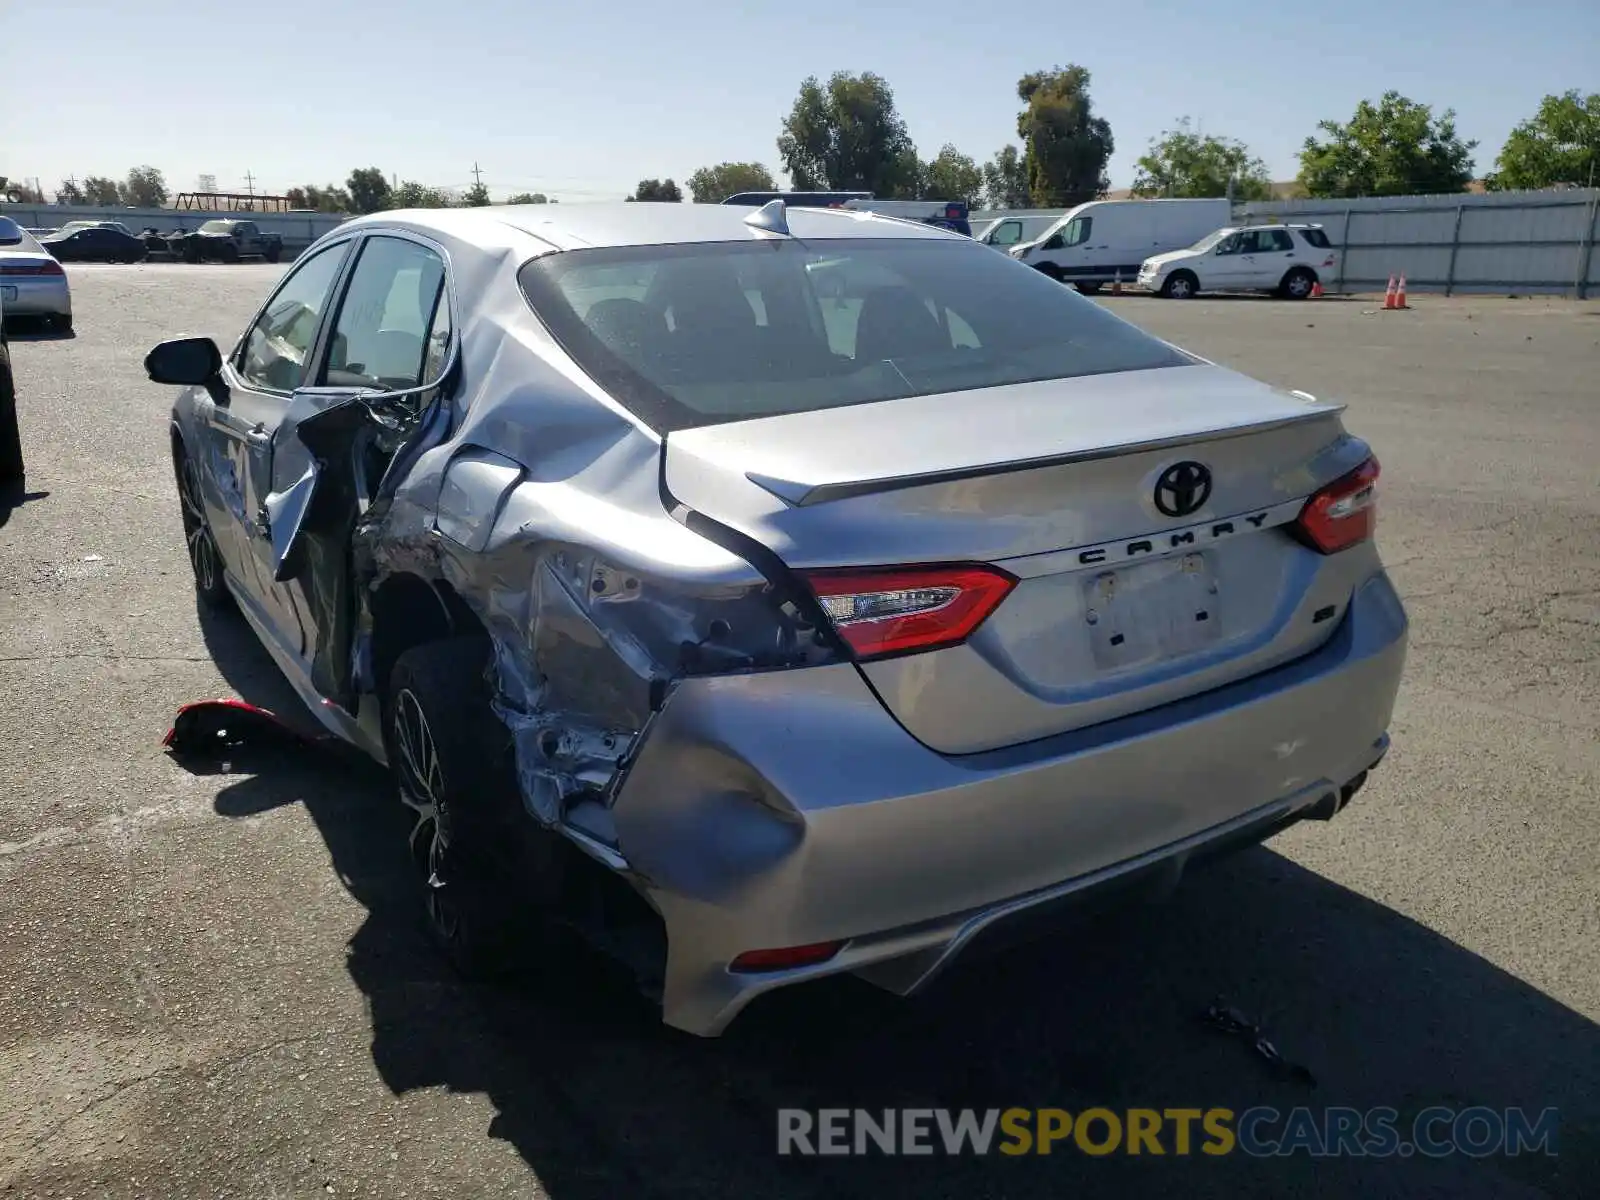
(1286, 259)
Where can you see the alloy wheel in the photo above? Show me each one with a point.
(197, 531)
(422, 788)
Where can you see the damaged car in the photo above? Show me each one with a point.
(773, 593)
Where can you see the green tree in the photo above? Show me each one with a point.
(476, 196)
(98, 189)
(1559, 144)
(146, 187)
(329, 198)
(369, 190)
(1394, 148)
(713, 185)
(528, 198)
(659, 190)
(951, 175)
(1066, 147)
(1005, 179)
(1187, 165)
(411, 194)
(69, 193)
(847, 136)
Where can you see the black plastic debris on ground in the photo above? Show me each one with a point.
(1226, 1019)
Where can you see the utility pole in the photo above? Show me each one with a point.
(250, 183)
(477, 175)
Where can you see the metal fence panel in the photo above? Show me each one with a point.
(1500, 241)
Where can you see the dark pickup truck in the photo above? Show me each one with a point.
(226, 241)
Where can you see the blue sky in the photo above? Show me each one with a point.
(580, 101)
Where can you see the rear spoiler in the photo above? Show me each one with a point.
(802, 495)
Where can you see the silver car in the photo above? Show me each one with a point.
(770, 594)
(32, 282)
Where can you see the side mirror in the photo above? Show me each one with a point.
(184, 361)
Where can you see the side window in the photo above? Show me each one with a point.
(1231, 244)
(1280, 240)
(1076, 231)
(276, 348)
(1317, 238)
(1007, 233)
(380, 336)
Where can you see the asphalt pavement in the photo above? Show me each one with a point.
(216, 985)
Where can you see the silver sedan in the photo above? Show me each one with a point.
(774, 593)
(32, 282)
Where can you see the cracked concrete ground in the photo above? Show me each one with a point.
(215, 985)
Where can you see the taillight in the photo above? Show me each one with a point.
(48, 268)
(896, 610)
(789, 956)
(1343, 513)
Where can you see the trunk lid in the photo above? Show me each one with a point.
(1056, 483)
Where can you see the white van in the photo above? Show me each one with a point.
(1106, 239)
(1014, 229)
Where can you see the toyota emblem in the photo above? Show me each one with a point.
(1183, 488)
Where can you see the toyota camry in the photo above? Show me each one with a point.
(775, 592)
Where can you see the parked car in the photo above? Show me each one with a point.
(74, 226)
(1006, 232)
(32, 282)
(1287, 259)
(94, 244)
(1104, 240)
(227, 240)
(764, 635)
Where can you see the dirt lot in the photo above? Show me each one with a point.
(216, 986)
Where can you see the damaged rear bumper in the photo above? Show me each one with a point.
(789, 808)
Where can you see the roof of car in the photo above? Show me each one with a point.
(576, 226)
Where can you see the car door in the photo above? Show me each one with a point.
(1274, 255)
(272, 359)
(1225, 268)
(385, 351)
(1005, 235)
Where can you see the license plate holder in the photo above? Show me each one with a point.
(1152, 612)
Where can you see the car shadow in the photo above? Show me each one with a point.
(601, 1100)
(36, 329)
(13, 498)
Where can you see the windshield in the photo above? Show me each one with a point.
(217, 227)
(1210, 240)
(700, 334)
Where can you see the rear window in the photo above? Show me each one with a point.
(701, 334)
(1317, 238)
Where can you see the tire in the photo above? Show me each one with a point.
(205, 559)
(1180, 285)
(230, 254)
(191, 252)
(485, 867)
(59, 323)
(274, 254)
(1050, 270)
(1297, 284)
(1089, 289)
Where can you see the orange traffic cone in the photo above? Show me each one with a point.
(1390, 295)
(1400, 296)
(1316, 290)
